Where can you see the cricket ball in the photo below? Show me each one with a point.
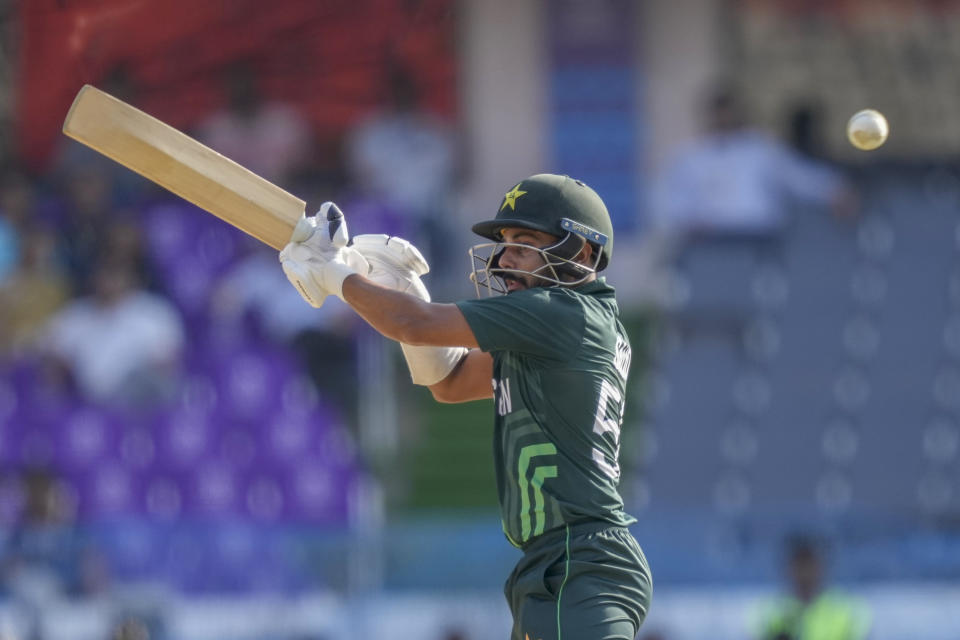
(867, 129)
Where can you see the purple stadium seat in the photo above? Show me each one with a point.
(167, 231)
(189, 283)
(175, 229)
(19, 376)
(185, 438)
(138, 446)
(299, 396)
(8, 424)
(217, 242)
(191, 250)
(213, 489)
(217, 339)
(109, 490)
(335, 446)
(85, 438)
(11, 497)
(198, 393)
(238, 446)
(316, 492)
(265, 497)
(290, 438)
(36, 445)
(249, 383)
(8, 398)
(163, 496)
(7, 455)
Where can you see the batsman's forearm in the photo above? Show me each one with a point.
(406, 318)
(389, 312)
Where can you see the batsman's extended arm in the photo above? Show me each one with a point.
(434, 337)
(406, 318)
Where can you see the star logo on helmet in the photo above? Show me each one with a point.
(510, 198)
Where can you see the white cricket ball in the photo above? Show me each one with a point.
(867, 129)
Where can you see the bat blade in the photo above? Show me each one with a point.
(183, 165)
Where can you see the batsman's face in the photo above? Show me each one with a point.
(522, 255)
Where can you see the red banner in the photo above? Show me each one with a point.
(328, 58)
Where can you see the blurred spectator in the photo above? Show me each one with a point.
(34, 291)
(809, 611)
(89, 214)
(120, 345)
(367, 213)
(44, 555)
(17, 204)
(138, 626)
(9, 247)
(406, 158)
(322, 338)
(805, 129)
(738, 180)
(125, 243)
(721, 213)
(130, 629)
(270, 138)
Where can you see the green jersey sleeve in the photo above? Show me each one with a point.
(542, 322)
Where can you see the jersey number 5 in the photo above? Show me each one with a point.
(602, 424)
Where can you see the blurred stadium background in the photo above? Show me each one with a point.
(187, 453)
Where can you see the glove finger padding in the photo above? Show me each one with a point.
(393, 252)
(394, 263)
(299, 274)
(305, 227)
(407, 284)
(325, 231)
(336, 224)
(317, 273)
(355, 260)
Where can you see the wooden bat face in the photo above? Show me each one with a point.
(186, 167)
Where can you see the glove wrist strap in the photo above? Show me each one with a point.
(334, 273)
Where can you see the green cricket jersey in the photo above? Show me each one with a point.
(560, 363)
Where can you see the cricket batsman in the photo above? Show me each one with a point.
(554, 357)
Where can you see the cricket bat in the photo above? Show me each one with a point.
(186, 167)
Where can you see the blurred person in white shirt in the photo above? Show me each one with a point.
(406, 158)
(269, 137)
(121, 345)
(722, 210)
(738, 180)
(402, 152)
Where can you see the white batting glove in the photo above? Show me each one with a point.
(397, 264)
(317, 259)
(394, 263)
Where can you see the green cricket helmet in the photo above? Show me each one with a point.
(558, 205)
